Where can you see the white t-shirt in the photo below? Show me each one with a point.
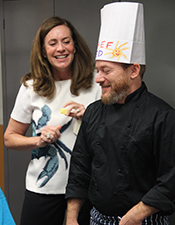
(48, 169)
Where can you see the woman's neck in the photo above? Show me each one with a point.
(62, 75)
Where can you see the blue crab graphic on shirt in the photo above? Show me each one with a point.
(51, 149)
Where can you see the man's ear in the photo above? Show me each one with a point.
(135, 70)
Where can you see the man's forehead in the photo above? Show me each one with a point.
(104, 64)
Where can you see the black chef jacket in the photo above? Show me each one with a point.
(125, 153)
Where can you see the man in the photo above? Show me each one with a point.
(124, 156)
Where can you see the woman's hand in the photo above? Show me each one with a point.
(49, 135)
(74, 109)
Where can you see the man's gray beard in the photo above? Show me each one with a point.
(116, 94)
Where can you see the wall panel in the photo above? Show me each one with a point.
(84, 15)
(21, 21)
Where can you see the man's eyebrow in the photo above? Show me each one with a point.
(103, 67)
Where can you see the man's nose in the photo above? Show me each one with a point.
(99, 78)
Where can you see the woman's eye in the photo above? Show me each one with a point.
(52, 44)
(66, 42)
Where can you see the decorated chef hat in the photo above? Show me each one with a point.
(122, 36)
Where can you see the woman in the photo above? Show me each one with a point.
(61, 77)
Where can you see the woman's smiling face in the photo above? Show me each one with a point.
(59, 49)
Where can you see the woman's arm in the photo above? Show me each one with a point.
(14, 137)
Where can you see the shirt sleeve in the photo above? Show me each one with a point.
(162, 194)
(22, 111)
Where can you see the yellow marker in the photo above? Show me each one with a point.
(63, 111)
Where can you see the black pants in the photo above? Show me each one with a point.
(42, 209)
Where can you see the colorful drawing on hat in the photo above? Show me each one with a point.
(118, 52)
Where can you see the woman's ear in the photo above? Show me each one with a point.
(135, 70)
(44, 53)
(75, 48)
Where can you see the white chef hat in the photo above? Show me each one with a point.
(122, 35)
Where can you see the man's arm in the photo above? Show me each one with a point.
(73, 207)
(137, 213)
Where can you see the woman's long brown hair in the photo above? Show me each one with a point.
(41, 70)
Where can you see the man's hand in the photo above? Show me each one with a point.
(136, 214)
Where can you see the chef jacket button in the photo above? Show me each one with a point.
(119, 170)
(137, 106)
(122, 147)
(115, 193)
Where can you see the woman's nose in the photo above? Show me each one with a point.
(60, 47)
